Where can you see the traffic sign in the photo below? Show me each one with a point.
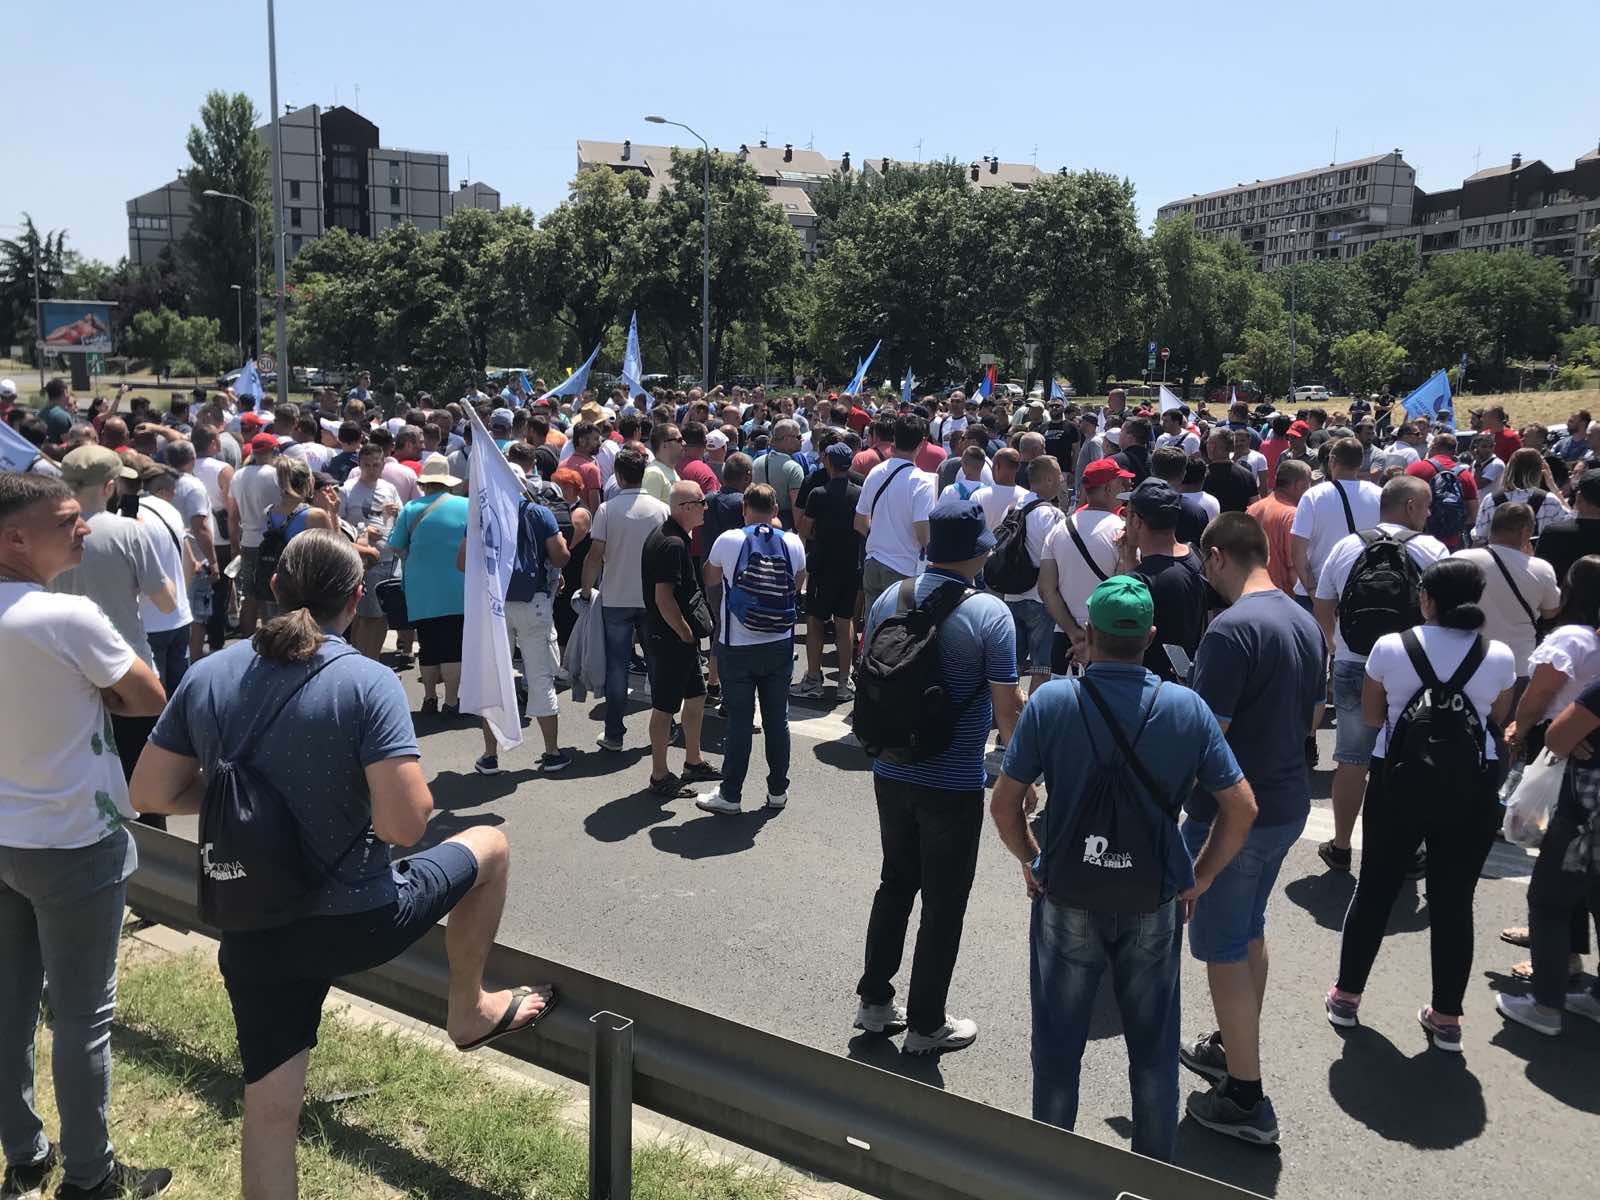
(266, 362)
(987, 360)
(1164, 353)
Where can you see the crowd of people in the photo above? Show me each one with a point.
(1151, 610)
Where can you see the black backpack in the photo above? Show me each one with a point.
(1437, 741)
(1011, 568)
(274, 538)
(255, 870)
(1380, 595)
(1110, 856)
(1448, 515)
(904, 711)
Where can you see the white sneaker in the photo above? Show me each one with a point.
(880, 1018)
(713, 802)
(809, 687)
(777, 802)
(957, 1033)
(1524, 1010)
(1584, 1004)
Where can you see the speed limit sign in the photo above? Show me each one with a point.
(267, 362)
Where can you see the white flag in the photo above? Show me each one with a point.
(493, 496)
(17, 453)
(1168, 400)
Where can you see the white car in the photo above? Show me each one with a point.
(1310, 393)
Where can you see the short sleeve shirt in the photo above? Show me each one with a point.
(1037, 531)
(352, 714)
(1573, 650)
(431, 541)
(623, 523)
(782, 473)
(1320, 518)
(836, 546)
(1391, 666)
(907, 495)
(119, 567)
(1342, 560)
(1075, 578)
(1506, 619)
(666, 559)
(725, 552)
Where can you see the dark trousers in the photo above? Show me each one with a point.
(221, 590)
(131, 734)
(1458, 831)
(1560, 904)
(930, 845)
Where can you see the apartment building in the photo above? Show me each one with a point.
(1342, 210)
(336, 174)
(791, 175)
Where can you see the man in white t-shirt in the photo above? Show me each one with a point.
(1403, 513)
(1000, 497)
(753, 664)
(1331, 510)
(167, 632)
(1035, 629)
(1519, 590)
(1409, 441)
(369, 501)
(253, 491)
(1068, 572)
(64, 855)
(1173, 433)
(892, 513)
(1253, 459)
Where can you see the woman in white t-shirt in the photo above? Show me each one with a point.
(1454, 821)
(1525, 475)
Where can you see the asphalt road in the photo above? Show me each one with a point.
(761, 918)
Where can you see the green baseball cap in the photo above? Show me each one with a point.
(1121, 606)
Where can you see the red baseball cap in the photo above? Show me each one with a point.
(1299, 429)
(1103, 471)
(263, 441)
(251, 420)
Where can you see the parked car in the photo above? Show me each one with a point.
(1310, 393)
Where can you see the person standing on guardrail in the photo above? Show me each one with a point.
(325, 730)
(1110, 891)
(64, 856)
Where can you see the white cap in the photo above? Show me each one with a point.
(716, 440)
(395, 425)
(8, 389)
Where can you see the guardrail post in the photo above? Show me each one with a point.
(611, 1108)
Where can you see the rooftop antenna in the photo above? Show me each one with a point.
(1036, 154)
(811, 139)
(1475, 159)
(358, 97)
(919, 149)
(765, 134)
(1335, 144)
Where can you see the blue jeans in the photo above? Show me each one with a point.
(621, 625)
(1233, 911)
(1035, 635)
(749, 672)
(1071, 949)
(61, 917)
(170, 648)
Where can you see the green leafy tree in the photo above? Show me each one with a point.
(1203, 292)
(1367, 360)
(1388, 270)
(226, 155)
(1518, 301)
(18, 256)
(161, 338)
(1263, 351)
(1334, 295)
(584, 262)
(1437, 330)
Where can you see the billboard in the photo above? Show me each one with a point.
(75, 326)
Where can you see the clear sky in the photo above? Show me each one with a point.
(1177, 96)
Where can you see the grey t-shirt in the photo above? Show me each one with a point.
(119, 566)
(353, 714)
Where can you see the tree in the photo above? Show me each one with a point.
(1072, 264)
(1517, 300)
(161, 337)
(226, 155)
(584, 260)
(18, 257)
(1437, 330)
(1367, 361)
(1388, 269)
(1334, 295)
(1263, 352)
(1203, 292)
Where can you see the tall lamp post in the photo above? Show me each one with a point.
(705, 261)
(277, 209)
(255, 220)
(238, 295)
(1294, 253)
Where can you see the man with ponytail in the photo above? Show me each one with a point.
(331, 730)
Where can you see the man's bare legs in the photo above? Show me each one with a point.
(1238, 991)
(367, 635)
(814, 634)
(451, 674)
(1349, 787)
(271, 1129)
(430, 677)
(844, 641)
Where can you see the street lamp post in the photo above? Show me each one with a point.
(277, 209)
(705, 261)
(238, 295)
(1293, 263)
(255, 221)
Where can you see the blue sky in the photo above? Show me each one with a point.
(1179, 97)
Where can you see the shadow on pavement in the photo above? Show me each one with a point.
(446, 825)
(1562, 1067)
(843, 755)
(1322, 782)
(454, 790)
(1327, 896)
(618, 820)
(1431, 1101)
(881, 1051)
(713, 835)
(1254, 1168)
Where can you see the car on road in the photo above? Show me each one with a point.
(1311, 393)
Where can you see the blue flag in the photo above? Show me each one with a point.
(248, 385)
(17, 453)
(527, 388)
(1055, 390)
(493, 496)
(906, 386)
(985, 387)
(1432, 399)
(861, 372)
(574, 384)
(632, 360)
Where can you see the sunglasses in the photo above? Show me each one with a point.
(693, 503)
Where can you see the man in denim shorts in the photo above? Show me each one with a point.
(1259, 670)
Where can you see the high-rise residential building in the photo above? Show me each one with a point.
(791, 175)
(1344, 209)
(335, 175)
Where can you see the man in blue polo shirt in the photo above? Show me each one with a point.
(1178, 744)
(930, 813)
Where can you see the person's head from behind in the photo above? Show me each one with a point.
(1580, 593)
(836, 458)
(909, 434)
(760, 504)
(1007, 462)
(1291, 479)
(1031, 446)
(41, 527)
(1451, 589)
(629, 465)
(1121, 620)
(294, 481)
(1168, 463)
(318, 585)
(1524, 470)
(973, 460)
(1044, 476)
(737, 471)
(1235, 546)
(1405, 500)
(1345, 456)
(1511, 525)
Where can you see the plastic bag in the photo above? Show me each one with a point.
(1529, 808)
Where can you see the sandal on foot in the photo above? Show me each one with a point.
(1517, 935)
(503, 1027)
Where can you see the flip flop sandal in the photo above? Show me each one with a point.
(1523, 972)
(503, 1027)
(701, 772)
(1517, 935)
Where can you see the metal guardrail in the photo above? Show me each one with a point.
(842, 1120)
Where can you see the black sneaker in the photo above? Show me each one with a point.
(1206, 1057)
(1333, 857)
(26, 1180)
(122, 1181)
(1257, 1125)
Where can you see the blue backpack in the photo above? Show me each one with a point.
(761, 590)
(1448, 516)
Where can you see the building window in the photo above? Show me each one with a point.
(296, 242)
(150, 222)
(294, 218)
(394, 196)
(294, 189)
